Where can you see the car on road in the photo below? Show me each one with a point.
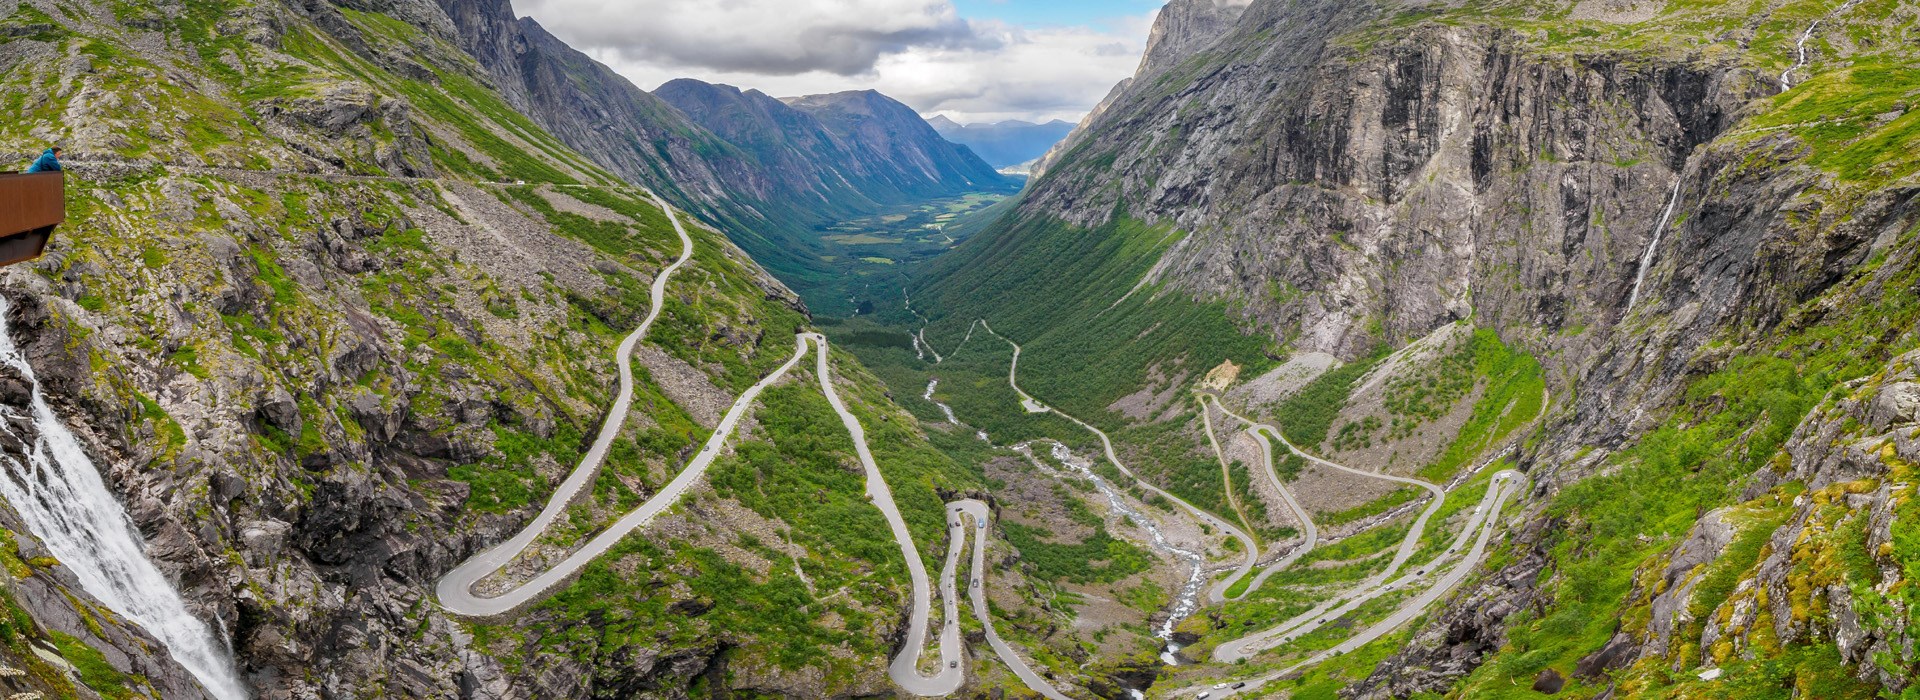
(1241, 684)
(1219, 686)
(953, 664)
(1202, 696)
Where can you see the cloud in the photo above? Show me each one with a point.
(770, 37)
(1055, 72)
(920, 52)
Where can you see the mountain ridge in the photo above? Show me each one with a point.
(1344, 180)
(1005, 143)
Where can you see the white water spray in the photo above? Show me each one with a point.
(1800, 47)
(60, 495)
(1188, 599)
(1653, 247)
(944, 408)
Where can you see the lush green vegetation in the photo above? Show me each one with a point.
(798, 474)
(1731, 424)
(1512, 397)
(94, 669)
(1097, 559)
(1371, 508)
(862, 260)
(1165, 453)
(1087, 340)
(1306, 416)
(1430, 392)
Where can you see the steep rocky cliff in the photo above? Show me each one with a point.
(1629, 194)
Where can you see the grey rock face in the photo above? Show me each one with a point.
(1389, 185)
(1896, 403)
(1444, 170)
(1186, 27)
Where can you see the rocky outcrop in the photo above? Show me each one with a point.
(1186, 27)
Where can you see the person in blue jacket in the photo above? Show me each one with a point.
(48, 162)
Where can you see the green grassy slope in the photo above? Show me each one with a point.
(444, 340)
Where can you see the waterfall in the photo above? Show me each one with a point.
(1188, 600)
(60, 495)
(944, 408)
(1800, 47)
(1653, 247)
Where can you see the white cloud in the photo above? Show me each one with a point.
(917, 51)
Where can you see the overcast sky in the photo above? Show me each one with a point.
(973, 60)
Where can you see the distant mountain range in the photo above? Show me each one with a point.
(1004, 144)
(829, 156)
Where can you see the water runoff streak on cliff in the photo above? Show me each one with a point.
(60, 495)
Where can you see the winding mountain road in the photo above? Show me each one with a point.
(1226, 470)
(455, 589)
(979, 515)
(905, 669)
(1033, 405)
(1505, 483)
(1251, 644)
(1309, 531)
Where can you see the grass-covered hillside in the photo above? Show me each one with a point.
(341, 316)
(1525, 169)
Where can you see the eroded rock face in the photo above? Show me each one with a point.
(1425, 154)
(1186, 27)
(50, 595)
(1441, 171)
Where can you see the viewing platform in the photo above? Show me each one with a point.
(31, 206)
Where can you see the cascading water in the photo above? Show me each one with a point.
(944, 408)
(1189, 598)
(1653, 247)
(60, 495)
(1800, 47)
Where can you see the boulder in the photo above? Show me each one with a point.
(1549, 682)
